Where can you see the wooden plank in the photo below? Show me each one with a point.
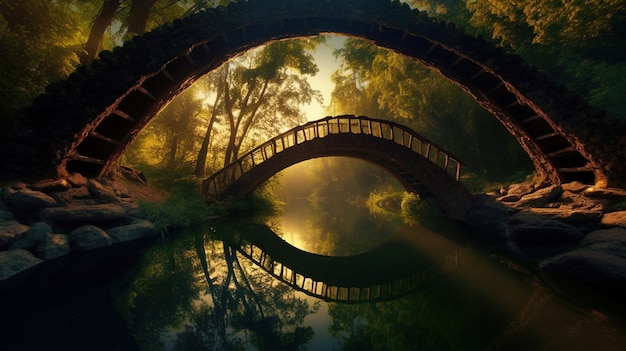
(546, 136)
(97, 135)
(92, 160)
(561, 152)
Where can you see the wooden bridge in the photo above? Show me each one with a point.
(418, 164)
(390, 271)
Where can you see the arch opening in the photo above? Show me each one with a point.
(113, 100)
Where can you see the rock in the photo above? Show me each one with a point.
(541, 196)
(614, 219)
(84, 213)
(121, 190)
(520, 189)
(574, 187)
(10, 232)
(539, 237)
(15, 261)
(592, 266)
(101, 193)
(568, 215)
(53, 246)
(578, 201)
(50, 185)
(608, 193)
(487, 218)
(615, 236)
(71, 195)
(77, 180)
(6, 216)
(31, 238)
(26, 200)
(509, 198)
(88, 237)
(139, 230)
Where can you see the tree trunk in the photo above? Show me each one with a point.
(96, 35)
(204, 149)
(138, 18)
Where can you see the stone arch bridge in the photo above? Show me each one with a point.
(84, 123)
(419, 165)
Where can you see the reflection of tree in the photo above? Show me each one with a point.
(273, 317)
(196, 289)
(161, 294)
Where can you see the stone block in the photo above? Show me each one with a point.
(138, 230)
(26, 200)
(614, 219)
(84, 213)
(10, 232)
(15, 261)
(101, 193)
(53, 246)
(88, 237)
(31, 238)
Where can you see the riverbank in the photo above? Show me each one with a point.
(573, 236)
(52, 219)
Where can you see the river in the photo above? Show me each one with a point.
(363, 278)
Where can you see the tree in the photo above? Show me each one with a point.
(404, 90)
(96, 35)
(39, 44)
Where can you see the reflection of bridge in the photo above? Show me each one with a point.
(415, 162)
(388, 272)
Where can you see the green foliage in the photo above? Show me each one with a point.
(416, 209)
(384, 84)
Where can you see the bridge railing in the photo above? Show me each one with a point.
(215, 185)
(350, 294)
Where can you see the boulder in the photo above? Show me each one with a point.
(608, 193)
(84, 213)
(613, 240)
(509, 198)
(50, 185)
(53, 246)
(614, 219)
(31, 238)
(574, 187)
(10, 232)
(88, 237)
(26, 200)
(77, 180)
(101, 193)
(520, 189)
(487, 217)
(15, 261)
(568, 215)
(539, 237)
(592, 266)
(6, 216)
(541, 196)
(71, 195)
(138, 230)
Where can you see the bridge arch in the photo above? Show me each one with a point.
(415, 162)
(85, 123)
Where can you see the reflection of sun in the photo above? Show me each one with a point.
(295, 238)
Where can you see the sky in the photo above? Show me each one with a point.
(327, 64)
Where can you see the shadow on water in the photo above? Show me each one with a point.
(237, 285)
